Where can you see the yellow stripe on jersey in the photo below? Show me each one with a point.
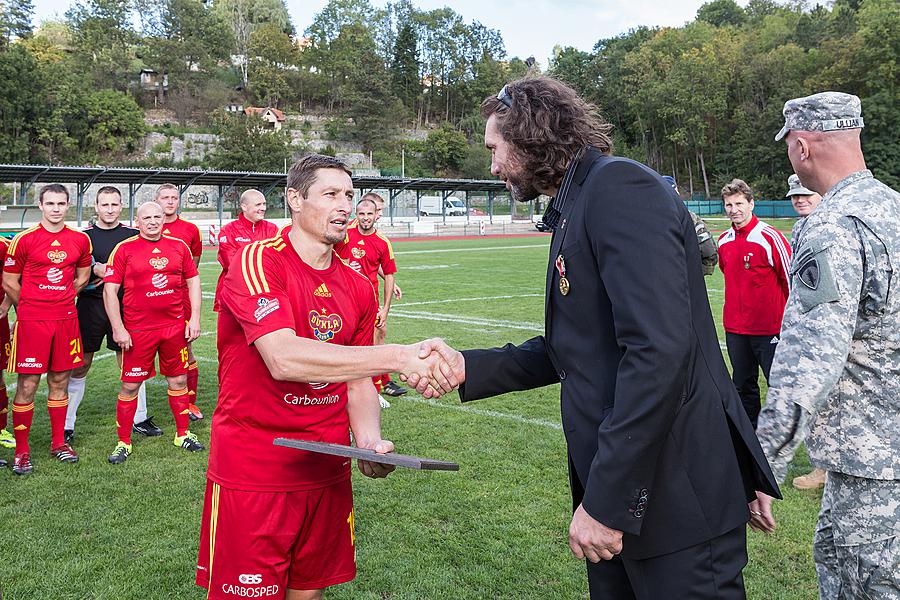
(11, 362)
(250, 269)
(90, 245)
(260, 272)
(213, 524)
(184, 243)
(15, 241)
(388, 242)
(112, 254)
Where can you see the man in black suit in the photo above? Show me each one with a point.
(662, 458)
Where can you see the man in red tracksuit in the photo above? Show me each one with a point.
(250, 226)
(755, 259)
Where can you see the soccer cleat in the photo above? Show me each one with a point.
(194, 413)
(22, 464)
(64, 453)
(68, 436)
(147, 427)
(119, 455)
(7, 440)
(189, 442)
(384, 403)
(811, 481)
(393, 389)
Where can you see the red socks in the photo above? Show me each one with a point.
(193, 375)
(178, 402)
(4, 407)
(125, 409)
(22, 415)
(56, 408)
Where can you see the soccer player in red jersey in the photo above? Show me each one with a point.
(45, 267)
(168, 198)
(7, 440)
(370, 253)
(294, 330)
(152, 269)
(250, 226)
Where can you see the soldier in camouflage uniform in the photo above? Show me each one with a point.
(804, 202)
(709, 252)
(836, 373)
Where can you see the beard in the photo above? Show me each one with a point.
(335, 238)
(521, 187)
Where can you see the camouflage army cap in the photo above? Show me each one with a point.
(826, 111)
(795, 188)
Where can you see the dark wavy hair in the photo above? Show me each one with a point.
(547, 124)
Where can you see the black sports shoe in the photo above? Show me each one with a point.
(3, 463)
(68, 436)
(189, 442)
(392, 389)
(147, 427)
(121, 453)
(22, 464)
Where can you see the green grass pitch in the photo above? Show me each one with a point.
(495, 529)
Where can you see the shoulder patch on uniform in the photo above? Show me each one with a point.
(814, 281)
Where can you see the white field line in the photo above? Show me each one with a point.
(483, 412)
(444, 318)
(478, 249)
(449, 300)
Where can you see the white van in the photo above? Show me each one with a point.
(430, 206)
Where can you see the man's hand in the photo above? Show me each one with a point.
(761, 518)
(99, 270)
(398, 293)
(122, 338)
(381, 317)
(591, 539)
(427, 371)
(371, 469)
(192, 330)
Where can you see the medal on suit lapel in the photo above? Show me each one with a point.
(563, 281)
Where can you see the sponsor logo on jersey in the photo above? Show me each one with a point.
(223, 239)
(325, 326)
(322, 291)
(265, 306)
(242, 239)
(357, 252)
(57, 256)
(30, 363)
(137, 372)
(109, 270)
(54, 275)
(159, 281)
(305, 400)
(241, 591)
(10, 261)
(251, 579)
(354, 264)
(159, 263)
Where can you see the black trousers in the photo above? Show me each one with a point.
(709, 570)
(749, 353)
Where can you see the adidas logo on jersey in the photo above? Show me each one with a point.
(322, 291)
(156, 251)
(55, 243)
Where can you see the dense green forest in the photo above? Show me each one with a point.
(701, 102)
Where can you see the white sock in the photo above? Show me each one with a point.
(141, 414)
(76, 393)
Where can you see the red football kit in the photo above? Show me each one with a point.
(188, 233)
(233, 237)
(7, 346)
(365, 253)
(291, 511)
(46, 335)
(152, 275)
(755, 260)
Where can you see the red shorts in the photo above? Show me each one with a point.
(259, 544)
(168, 342)
(42, 346)
(6, 342)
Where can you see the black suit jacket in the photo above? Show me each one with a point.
(659, 444)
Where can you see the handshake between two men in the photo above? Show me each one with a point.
(433, 368)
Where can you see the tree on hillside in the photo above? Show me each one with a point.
(246, 16)
(404, 69)
(103, 37)
(15, 20)
(721, 13)
(247, 143)
(273, 56)
(114, 123)
(445, 150)
(21, 103)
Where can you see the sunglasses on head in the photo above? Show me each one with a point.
(504, 97)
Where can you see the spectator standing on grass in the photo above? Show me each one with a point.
(804, 202)
(169, 198)
(250, 226)
(836, 374)
(105, 233)
(662, 458)
(755, 259)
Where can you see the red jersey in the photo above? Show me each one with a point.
(755, 260)
(268, 288)
(152, 275)
(365, 253)
(47, 262)
(187, 232)
(236, 235)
